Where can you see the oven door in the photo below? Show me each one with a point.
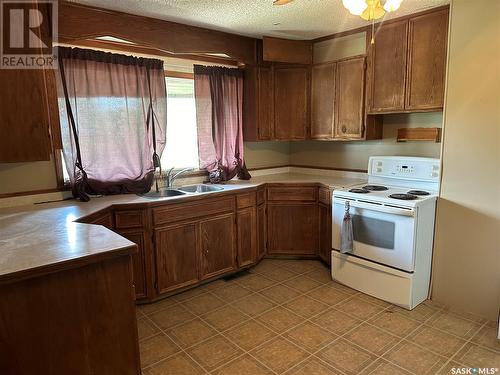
(383, 234)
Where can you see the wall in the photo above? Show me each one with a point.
(466, 273)
(17, 177)
(354, 155)
(267, 154)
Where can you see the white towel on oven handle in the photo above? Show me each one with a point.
(346, 234)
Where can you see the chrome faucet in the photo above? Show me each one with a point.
(171, 176)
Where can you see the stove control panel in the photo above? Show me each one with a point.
(408, 168)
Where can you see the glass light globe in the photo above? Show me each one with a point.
(355, 7)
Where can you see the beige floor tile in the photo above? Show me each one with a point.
(244, 365)
(313, 366)
(171, 316)
(375, 301)
(382, 367)
(203, 304)
(280, 293)
(323, 276)
(453, 324)
(359, 308)
(255, 282)
(280, 355)
(420, 313)
(278, 274)
(306, 306)
(343, 288)
(395, 323)
(231, 293)
(191, 333)
(309, 336)
(436, 341)
(216, 284)
(179, 364)
(146, 328)
(184, 296)
(253, 304)
(335, 321)
(266, 265)
(279, 319)
(487, 337)
(214, 352)
(303, 266)
(302, 283)
(346, 357)
(451, 367)
(372, 339)
(326, 294)
(150, 308)
(225, 317)
(156, 348)
(249, 335)
(476, 356)
(466, 315)
(415, 359)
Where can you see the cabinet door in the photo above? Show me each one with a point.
(322, 100)
(387, 68)
(265, 115)
(349, 97)
(325, 233)
(176, 248)
(218, 253)
(261, 231)
(292, 228)
(138, 260)
(247, 236)
(427, 42)
(290, 103)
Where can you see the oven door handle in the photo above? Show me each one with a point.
(376, 207)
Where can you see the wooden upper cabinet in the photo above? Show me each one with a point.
(291, 102)
(265, 99)
(218, 253)
(349, 98)
(287, 51)
(387, 68)
(322, 100)
(427, 44)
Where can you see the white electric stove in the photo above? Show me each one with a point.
(393, 229)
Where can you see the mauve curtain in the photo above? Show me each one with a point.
(219, 115)
(111, 108)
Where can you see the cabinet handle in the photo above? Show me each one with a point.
(344, 129)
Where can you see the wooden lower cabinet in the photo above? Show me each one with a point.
(139, 237)
(218, 245)
(247, 236)
(292, 228)
(176, 250)
(325, 232)
(261, 231)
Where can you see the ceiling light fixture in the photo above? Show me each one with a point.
(371, 9)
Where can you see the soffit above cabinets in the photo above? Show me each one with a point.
(300, 19)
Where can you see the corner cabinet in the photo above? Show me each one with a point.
(407, 64)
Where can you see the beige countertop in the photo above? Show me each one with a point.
(41, 238)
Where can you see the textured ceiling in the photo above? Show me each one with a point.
(301, 19)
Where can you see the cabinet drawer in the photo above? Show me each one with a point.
(129, 219)
(190, 210)
(324, 196)
(245, 200)
(292, 193)
(261, 196)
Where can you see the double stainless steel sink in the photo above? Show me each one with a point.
(189, 189)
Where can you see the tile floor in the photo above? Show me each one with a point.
(289, 317)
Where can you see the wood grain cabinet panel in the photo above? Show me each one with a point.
(138, 237)
(288, 193)
(176, 249)
(291, 102)
(349, 97)
(322, 100)
(292, 228)
(387, 67)
(261, 231)
(129, 219)
(218, 253)
(265, 97)
(427, 43)
(246, 200)
(247, 236)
